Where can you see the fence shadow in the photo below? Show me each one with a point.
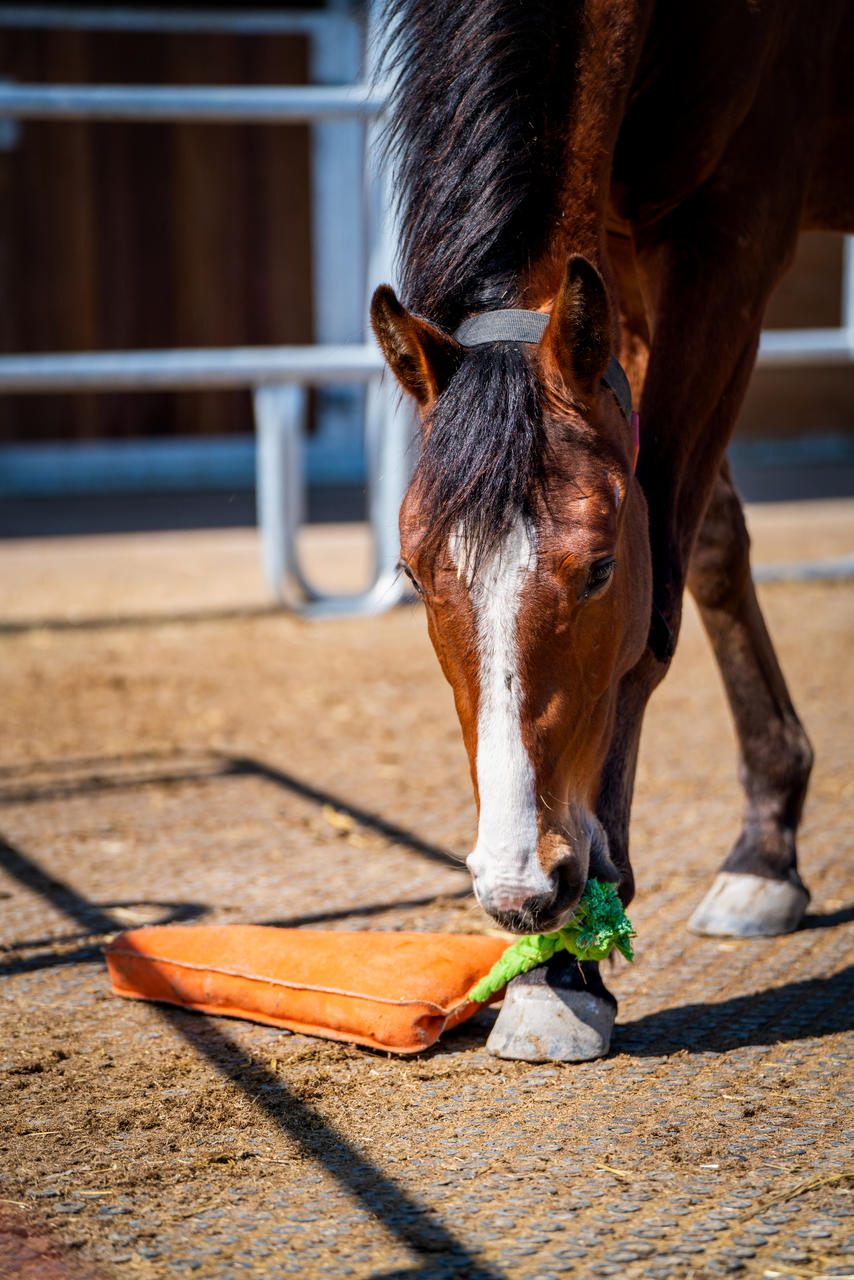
(244, 765)
(371, 909)
(108, 775)
(96, 920)
(416, 1225)
(99, 921)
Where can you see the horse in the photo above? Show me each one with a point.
(597, 198)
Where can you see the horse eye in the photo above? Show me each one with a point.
(412, 578)
(598, 576)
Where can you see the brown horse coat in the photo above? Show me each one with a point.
(640, 170)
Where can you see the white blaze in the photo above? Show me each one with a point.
(504, 861)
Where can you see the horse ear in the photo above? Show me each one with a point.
(421, 357)
(579, 332)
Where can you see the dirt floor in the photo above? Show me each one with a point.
(171, 751)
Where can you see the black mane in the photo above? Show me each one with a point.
(475, 85)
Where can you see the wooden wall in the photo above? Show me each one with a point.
(134, 235)
(126, 235)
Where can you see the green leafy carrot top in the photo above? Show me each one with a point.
(599, 924)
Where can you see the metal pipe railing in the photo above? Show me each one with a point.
(274, 104)
(203, 104)
(121, 18)
(322, 365)
(779, 348)
(276, 376)
(189, 370)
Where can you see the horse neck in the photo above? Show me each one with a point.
(610, 47)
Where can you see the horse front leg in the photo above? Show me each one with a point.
(758, 890)
(705, 289)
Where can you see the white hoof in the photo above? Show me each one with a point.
(745, 906)
(540, 1023)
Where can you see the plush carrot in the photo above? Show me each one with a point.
(390, 990)
(598, 925)
(394, 991)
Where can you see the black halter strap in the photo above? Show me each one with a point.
(514, 325)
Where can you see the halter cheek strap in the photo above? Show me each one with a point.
(515, 325)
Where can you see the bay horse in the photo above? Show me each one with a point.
(597, 198)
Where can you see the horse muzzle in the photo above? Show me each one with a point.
(539, 892)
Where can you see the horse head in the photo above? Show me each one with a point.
(524, 532)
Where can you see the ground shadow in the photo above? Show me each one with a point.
(417, 1226)
(97, 920)
(810, 1008)
(89, 915)
(118, 621)
(220, 767)
(93, 786)
(67, 764)
(372, 909)
(827, 919)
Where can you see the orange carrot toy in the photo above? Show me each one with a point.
(396, 991)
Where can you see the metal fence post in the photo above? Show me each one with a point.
(280, 487)
(388, 437)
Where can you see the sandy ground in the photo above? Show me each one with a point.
(172, 751)
(133, 575)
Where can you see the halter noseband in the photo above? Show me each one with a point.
(515, 325)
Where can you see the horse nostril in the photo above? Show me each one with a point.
(540, 905)
(528, 916)
(571, 879)
(514, 921)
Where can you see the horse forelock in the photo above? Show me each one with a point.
(497, 445)
(484, 454)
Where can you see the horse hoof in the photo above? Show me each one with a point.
(746, 906)
(539, 1022)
